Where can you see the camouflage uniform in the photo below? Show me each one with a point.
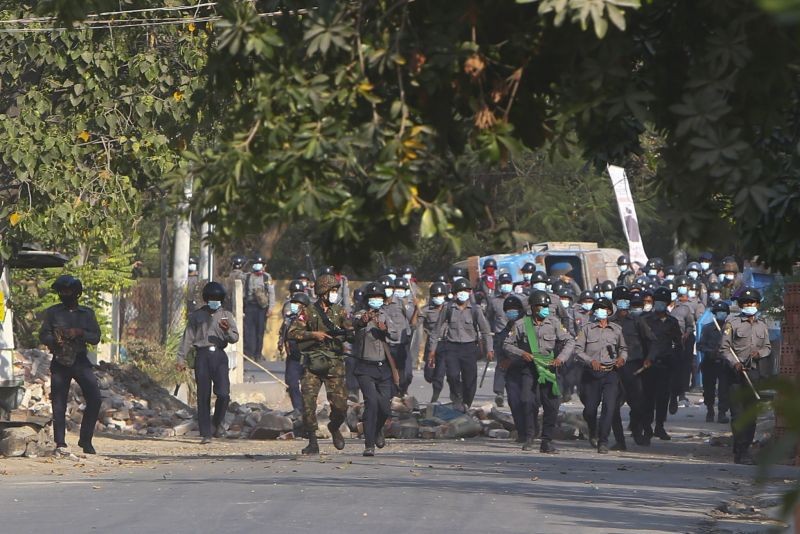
(300, 331)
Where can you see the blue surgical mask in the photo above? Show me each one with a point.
(408, 276)
(294, 308)
(565, 303)
(388, 292)
(400, 293)
(540, 286)
(623, 268)
(673, 296)
(438, 300)
(506, 288)
(714, 295)
(652, 272)
(392, 276)
(692, 293)
(637, 311)
(683, 290)
(660, 306)
(512, 315)
(375, 303)
(624, 304)
(462, 296)
(608, 294)
(694, 275)
(670, 277)
(544, 313)
(721, 316)
(214, 304)
(527, 276)
(749, 310)
(600, 314)
(587, 306)
(705, 265)
(258, 266)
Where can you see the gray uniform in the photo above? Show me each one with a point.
(593, 343)
(549, 333)
(462, 325)
(203, 331)
(495, 314)
(371, 338)
(745, 338)
(684, 313)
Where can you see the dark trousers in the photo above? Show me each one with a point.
(60, 379)
(600, 386)
(525, 396)
(435, 376)
(255, 324)
(742, 399)
(631, 392)
(462, 371)
(655, 382)
(716, 373)
(570, 378)
(376, 386)
(682, 369)
(400, 354)
(211, 371)
(294, 371)
(499, 384)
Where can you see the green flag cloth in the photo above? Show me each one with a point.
(542, 361)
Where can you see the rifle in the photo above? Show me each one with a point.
(309, 259)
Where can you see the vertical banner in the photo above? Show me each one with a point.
(627, 213)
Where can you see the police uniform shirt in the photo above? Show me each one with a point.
(253, 282)
(593, 343)
(580, 317)
(745, 338)
(666, 336)
(549, 333)
(495, 314)
(61, 317)
(430, 316)
(372, 338)
(398, 320)
(637, 334)
(711, 340)
(685, 316)
(458, 325)
(203, 330)
(697, 307)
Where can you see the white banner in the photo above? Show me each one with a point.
(627, 212)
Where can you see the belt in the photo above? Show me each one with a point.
(373, 363)
(208, 349)
(461, 342)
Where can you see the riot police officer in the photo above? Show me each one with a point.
(745, 342)
(498, 322)
(237, 267)
(430, 317)
(682, 371)
(66, 330)
(259, 297)
(535, 349)
(297, 303)
(626, 273)
(208, 332)
(715, 364)
(602, 348)
(487, 285)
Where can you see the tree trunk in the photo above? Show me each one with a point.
(164, 274)
(180, 265)
(206, 266)
(270, 237)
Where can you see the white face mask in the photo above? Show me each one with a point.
(505, 288)
(715, 295)
(705, 265)
(674, 296)
(258, 266)
(462, 296)
(608, 294)
(519, 290)
(652, 272)
(407, 276)
(694, 275)
(565, 303)
(333, 297)
(392, 276)
(623, 268)
(647, 307)
(692, 293)
(670, 277)
(192, 268)
(540, 286)
(388, 292)
(400, 293)
(527, 276)
(438, 300)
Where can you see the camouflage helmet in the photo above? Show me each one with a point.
(325, 283)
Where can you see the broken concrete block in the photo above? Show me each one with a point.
(503, 418)
(271, 426)
(14, 441)
(183, 428)
(499, 433)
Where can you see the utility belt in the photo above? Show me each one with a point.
(462, 343)
(372, 363)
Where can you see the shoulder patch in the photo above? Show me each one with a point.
(728, 328)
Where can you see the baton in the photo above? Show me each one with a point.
(485, 368)
(265, 370)
(744, 371)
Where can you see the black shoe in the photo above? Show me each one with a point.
(528, 445)
(520, 439)
(548, 448)
(593, 442)
(602, 449)
(219, 432)
(499, 401)
(205, 441)
(744, 459)
(645, 440)
(710, 415)
(673, 405)
(435, 396)
(380, 441)
(336, 434)
(87, 448)
(722, 418)
(619, 446)
(660, 433)
(368, 451)
(312, 447)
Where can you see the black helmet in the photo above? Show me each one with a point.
(301, 297)
(358, 295)
(386, 281)
(528, 268)
(651, 286)
(401, 283)
(440, 278)
(374, 289)
(596, 288)
(513, 302)
(694, 284)
(302, 274)
(654, 264)
(750, 294)
(621, 293)
(328, 269)
(662, 294)
(538, 277)
(389, 270)
(585, 295)
(238, 261)
(462, 284)
(607, 285)
(682, 280)
(603, 302)
(566, 292)
(694, 266)
(505, 278)
(295, 286)
(538, 298)
(643, 281)
(623, 260)
(458, 271)
(557, 286)
(671, 270)
(636, 288)
(729, 265)
(258, 259)
(670, 285)
(707, 256)
(720, 306)
(637, 300)
(437, 288)
(193, 259)
(714, 286)
(407, 269)
(69, 283)
(489, 262)
(213, 291)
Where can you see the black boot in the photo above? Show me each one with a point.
(723, 418)
(619, 446)
(547, 447)
(498, 400)
(380, 440)
(87, 447)
(528, 445)
(435, 396)
(673, 404)
(662, 434)
(313, 446)
(336, 434)
(710, 415)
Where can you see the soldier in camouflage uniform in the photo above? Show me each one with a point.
(323, 358)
